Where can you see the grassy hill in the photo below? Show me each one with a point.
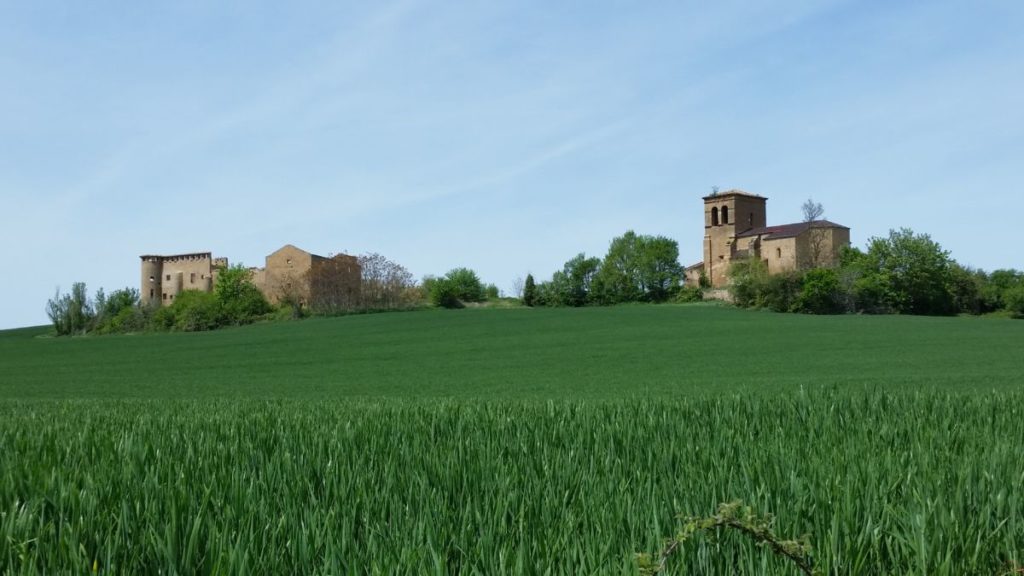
(591, 353)
(514, 442)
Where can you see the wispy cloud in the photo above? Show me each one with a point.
(563, 148)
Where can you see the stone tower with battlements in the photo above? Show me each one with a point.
(164, 277)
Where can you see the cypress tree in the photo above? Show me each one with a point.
(529, 290)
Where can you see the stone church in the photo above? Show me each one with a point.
(736, 227)
(289, 272)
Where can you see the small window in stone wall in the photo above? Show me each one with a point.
(192, 278)
(168, 276)
(150, 292)
(750, 219)
(778, 252)
(152, 279)
(725, 214)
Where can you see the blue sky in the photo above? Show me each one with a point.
(506, 137)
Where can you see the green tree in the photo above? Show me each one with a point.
(575, 284)
(996, 285)
(550, 293)
(659, 269)
(118, 312)
(638, 268)
(820, 292)
(443, 293)
(910, 273)
(966, 286)
(240, 300)
(466, 285)
(491, 292)
(619, 277)
(1015, 301)
(427, 285)
(529, 290)
(71, 313)
(864, 288)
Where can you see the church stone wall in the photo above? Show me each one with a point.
(780, 254)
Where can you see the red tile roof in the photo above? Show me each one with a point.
(787, 230)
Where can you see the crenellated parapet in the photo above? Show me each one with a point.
(166, 276)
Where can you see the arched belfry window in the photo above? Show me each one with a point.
(725, 214)
(714, 216)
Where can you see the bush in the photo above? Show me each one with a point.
(994, 288)
(444, 294)
(426, 287)
(118, 312)
(1014, 298)
(195, 311)
(491, 292)
(689, 294)
(163, 318)
(781, 292)
(704, 281)
(749, 283)
(466, 285)
(247, 306)
(821, 292)
(457, 286)
(289, 307)
(130, 319)
(547, 293)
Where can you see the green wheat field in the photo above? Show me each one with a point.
(516, 441)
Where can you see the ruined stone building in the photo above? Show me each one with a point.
(736, 227)
(289, 273)
(293, 273)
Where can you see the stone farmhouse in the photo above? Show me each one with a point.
(736, 227)
(289, 272)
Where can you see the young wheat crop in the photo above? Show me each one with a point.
(885, 483)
